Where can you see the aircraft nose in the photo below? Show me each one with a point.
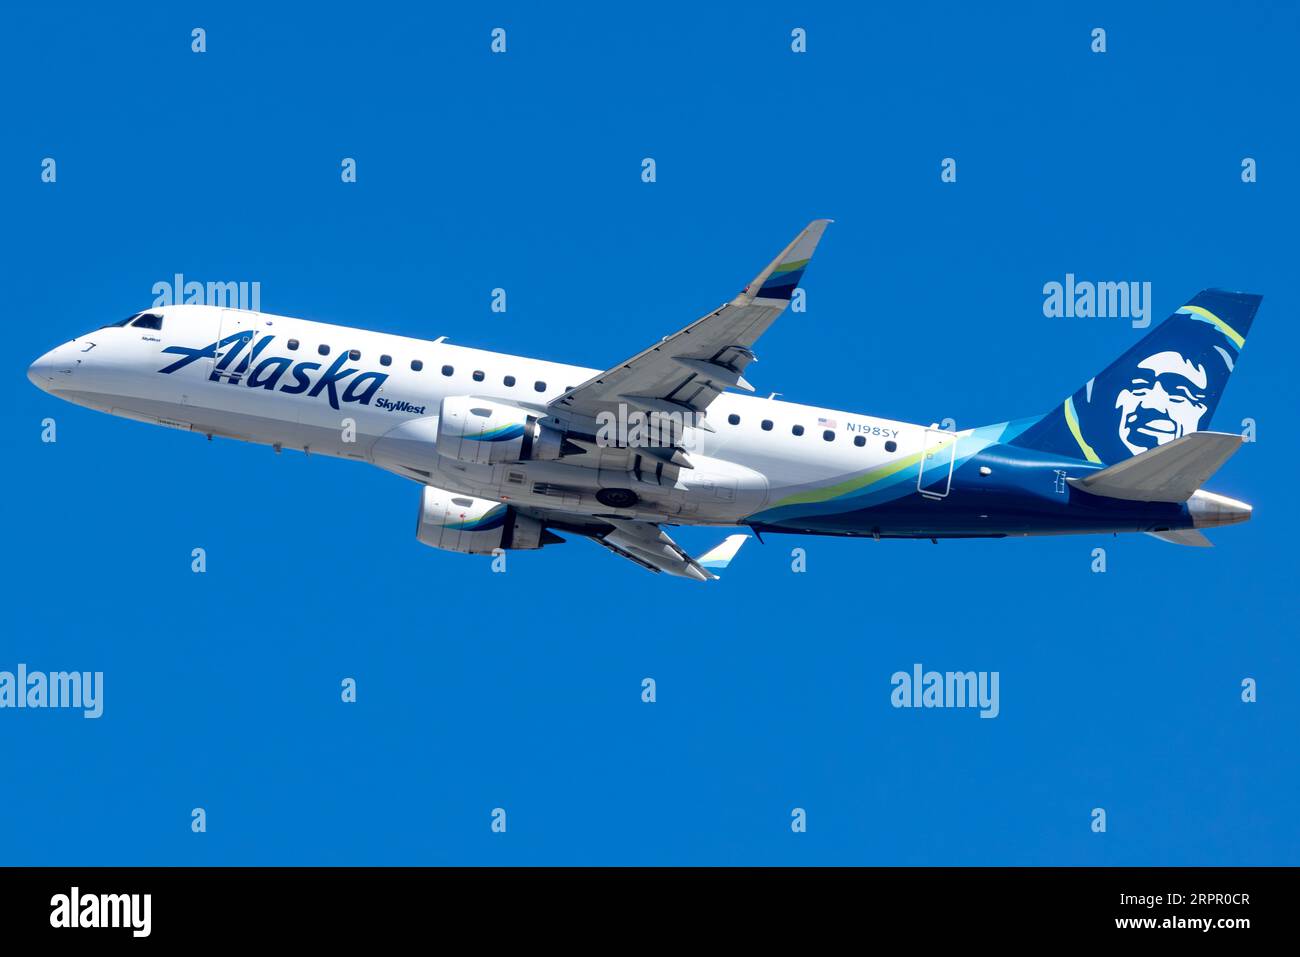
(41, 372)
(52, 369)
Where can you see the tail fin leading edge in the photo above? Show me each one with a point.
(1165, 387)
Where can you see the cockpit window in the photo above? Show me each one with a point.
(148, 320)
(124, 322)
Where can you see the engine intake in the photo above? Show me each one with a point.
(477, 526)
(486, 433)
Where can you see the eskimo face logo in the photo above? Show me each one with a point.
(1164, 400)
(258, 373)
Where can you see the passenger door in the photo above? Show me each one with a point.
(938, 457)
(231, 362)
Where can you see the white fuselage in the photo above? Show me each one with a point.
(384, 411)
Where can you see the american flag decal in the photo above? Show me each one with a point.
(826, 423)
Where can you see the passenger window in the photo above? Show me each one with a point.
(416, 365)
(733, 419)
(478, 376)
(323, 350)
(148, 320)
(293, 345)
(539, 386)
(828, 435)
(797, 430)
(891, 446)
(354, 354)
(509, 381)
(385, 360)
(859, 441)
(767, 425)
(447, 370)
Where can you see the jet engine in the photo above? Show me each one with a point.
(485, 433)
(463, 523)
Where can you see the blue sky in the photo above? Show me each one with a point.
(475, 691)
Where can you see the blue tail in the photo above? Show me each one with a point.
(1164, 387)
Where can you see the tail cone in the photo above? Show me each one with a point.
(1208, 510)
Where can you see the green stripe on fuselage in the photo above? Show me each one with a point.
(858, 482)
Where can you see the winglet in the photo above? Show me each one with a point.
(781, 277)
(719, 556)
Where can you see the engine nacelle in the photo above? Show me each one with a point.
(463, 523)
(485, 433)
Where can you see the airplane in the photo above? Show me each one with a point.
(514, 452)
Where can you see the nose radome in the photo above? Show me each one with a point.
(41, 372)
(52, 369)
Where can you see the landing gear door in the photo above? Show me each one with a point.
(938, 457)
(234, 346)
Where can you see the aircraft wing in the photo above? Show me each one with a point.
(686, 371)
(645, 543)
(650, 547)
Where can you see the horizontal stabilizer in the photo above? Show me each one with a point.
(1184, 536)
(1168, 473)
